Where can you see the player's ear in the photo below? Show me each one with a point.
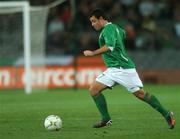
(101, 18)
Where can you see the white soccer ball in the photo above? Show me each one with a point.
(53, 123)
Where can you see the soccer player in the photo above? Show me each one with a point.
(120, 70)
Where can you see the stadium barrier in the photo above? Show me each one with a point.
(51, 77)
(81, 74)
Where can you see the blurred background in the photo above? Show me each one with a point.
(58, 31)
(61, 32)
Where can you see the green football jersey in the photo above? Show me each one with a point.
(113, 36)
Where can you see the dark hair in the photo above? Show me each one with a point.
(98, 13)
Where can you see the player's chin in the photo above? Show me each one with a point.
(96, 28)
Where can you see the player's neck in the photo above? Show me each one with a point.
(105, 22)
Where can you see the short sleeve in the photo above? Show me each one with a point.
(109, 35)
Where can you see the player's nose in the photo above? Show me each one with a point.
(92, 24)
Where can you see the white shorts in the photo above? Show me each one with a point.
(128, 78)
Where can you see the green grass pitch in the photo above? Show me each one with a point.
(22, 116)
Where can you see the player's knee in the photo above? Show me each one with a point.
(93, 91)
(140, 94)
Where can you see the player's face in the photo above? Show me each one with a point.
(95, 23)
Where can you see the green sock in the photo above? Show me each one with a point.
(102, 106)
(154, 102)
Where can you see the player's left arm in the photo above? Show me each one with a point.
(101, 50)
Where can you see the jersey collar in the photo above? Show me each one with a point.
(107, 23)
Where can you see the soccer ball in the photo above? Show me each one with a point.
(53, 123)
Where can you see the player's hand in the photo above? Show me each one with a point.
(88, 53)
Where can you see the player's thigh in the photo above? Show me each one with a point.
(102, 82)
(128, 78)
(96, 87)
(105, 79)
